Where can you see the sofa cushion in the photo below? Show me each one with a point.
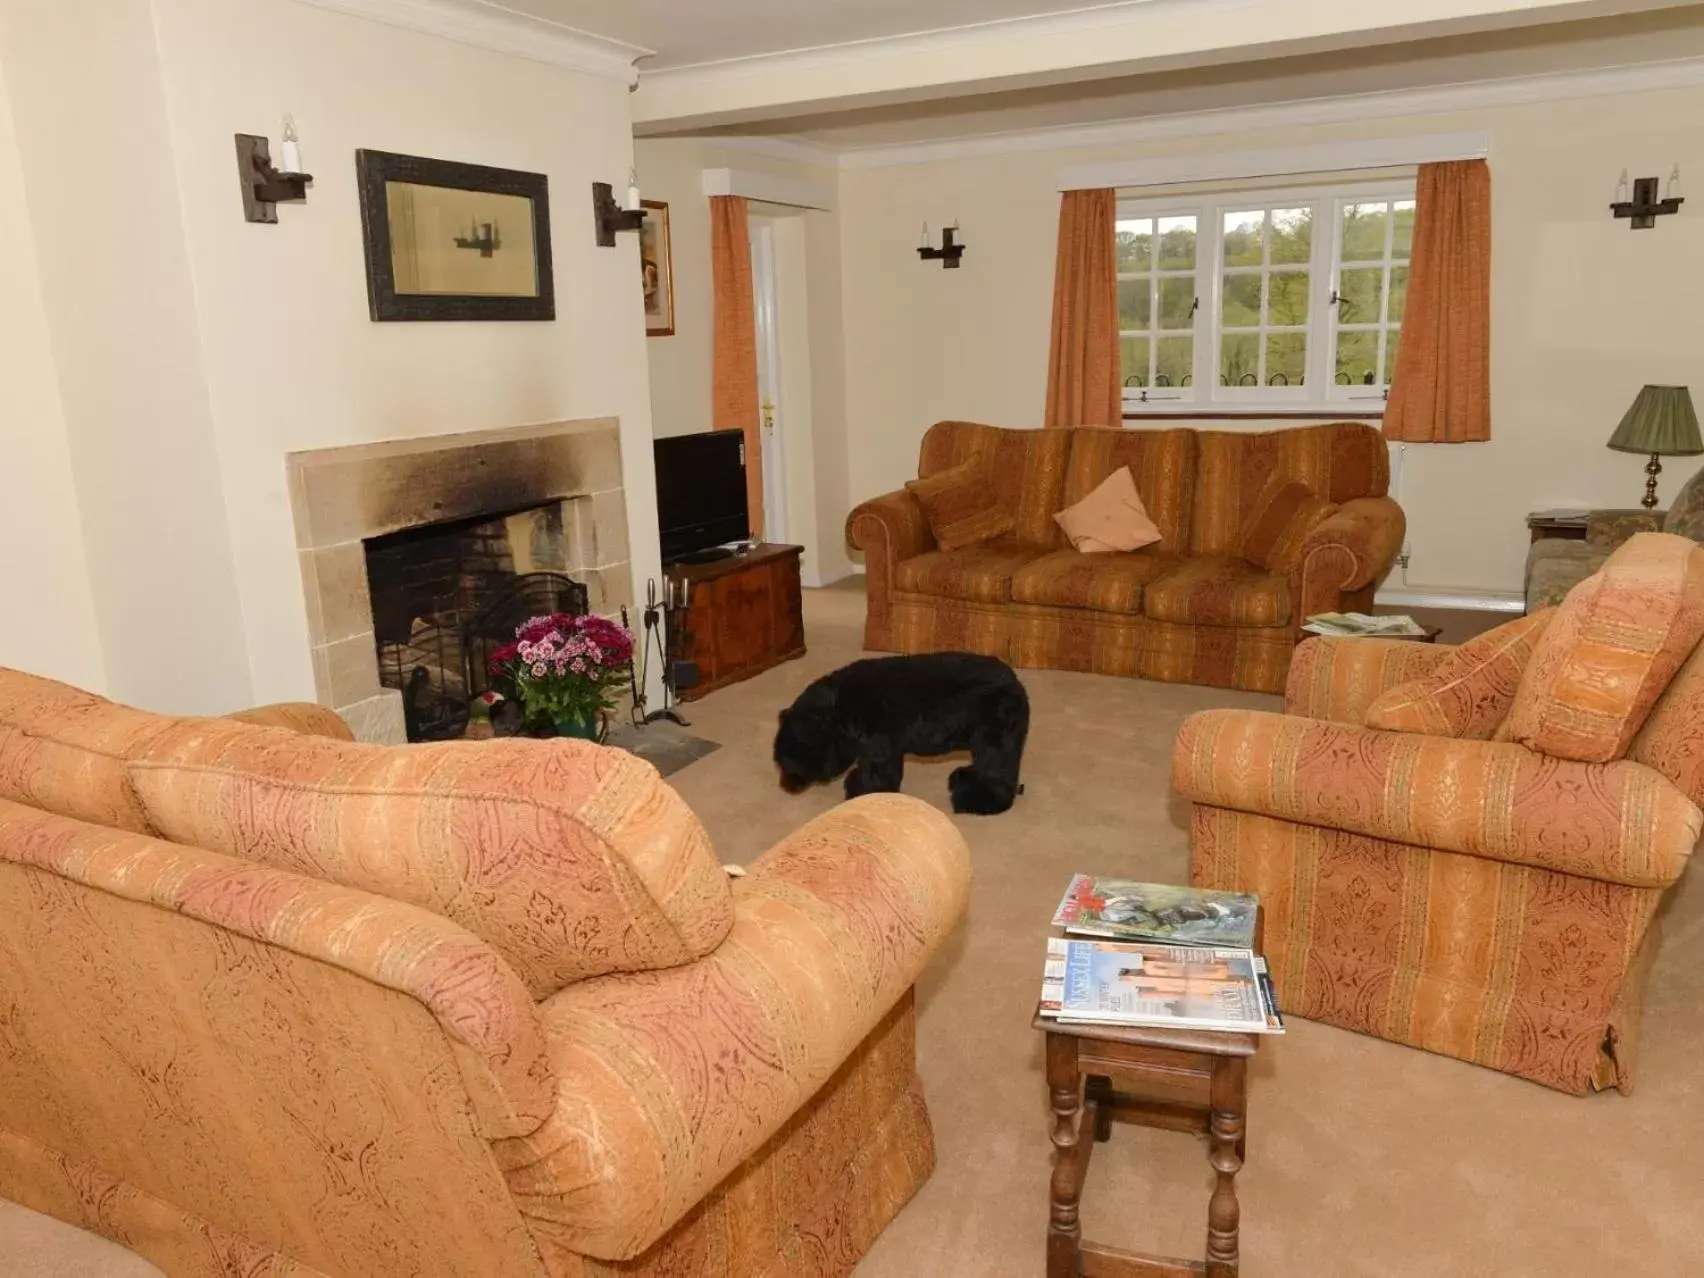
(961, 506)
(1162, 462)
(1340, 461)
(1470, 691)
(1028, 468)
(977, 574)
(1615, 643)
(1218, 590)
(568, 859)
(1102, 582)
(1686, 517)
(1109, 518)
(63, 750)
(1276, 529)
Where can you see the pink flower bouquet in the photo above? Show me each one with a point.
(565, 671)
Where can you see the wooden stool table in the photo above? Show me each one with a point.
(1183, 1080)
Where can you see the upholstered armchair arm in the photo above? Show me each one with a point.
(1619, 822)
(1338, 679)
(1608, 529)
(298, 716)
(889, 530)
(670, 1079)
(477, 999)
(1352, 548)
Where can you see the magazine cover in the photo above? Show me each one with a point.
(1162, 912)
(1170, 986)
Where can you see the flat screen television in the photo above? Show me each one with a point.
(701, 493)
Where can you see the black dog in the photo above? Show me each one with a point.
(871, 714)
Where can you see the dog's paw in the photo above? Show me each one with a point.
(975, 795)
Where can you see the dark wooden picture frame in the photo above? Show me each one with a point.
(375, 169)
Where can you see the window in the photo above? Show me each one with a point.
(1285, 301)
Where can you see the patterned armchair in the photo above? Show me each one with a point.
(1555, 566)
(275, 1002)
(1482, 881)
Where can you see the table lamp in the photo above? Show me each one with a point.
(1663, 424)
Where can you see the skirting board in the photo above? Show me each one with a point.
(1443, 597)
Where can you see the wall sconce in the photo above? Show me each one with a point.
(264, 186)
(1645, 208)
(609, 217)
(948, 254)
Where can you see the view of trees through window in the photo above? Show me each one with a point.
(1293, 299)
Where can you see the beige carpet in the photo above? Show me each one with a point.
(1366, 1160)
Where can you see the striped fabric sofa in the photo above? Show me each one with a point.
(273, 1002)
(1189, 609)
(1491, 892)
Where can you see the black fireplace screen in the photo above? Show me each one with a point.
(444, 599)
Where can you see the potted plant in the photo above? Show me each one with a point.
(564, 671)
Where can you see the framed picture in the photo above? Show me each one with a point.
(452, 241)
(656, 262)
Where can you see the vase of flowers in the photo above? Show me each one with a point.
(564, 671)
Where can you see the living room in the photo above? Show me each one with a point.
(212, 428)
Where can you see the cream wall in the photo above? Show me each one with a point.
(47, 623)
(1583, 313)
(671, 170)
(83, 83)
(293, 360)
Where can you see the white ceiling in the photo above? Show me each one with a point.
(690, 32)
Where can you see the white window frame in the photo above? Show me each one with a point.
(1319, 392)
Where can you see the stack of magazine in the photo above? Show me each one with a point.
(1160, 956)
(1361, 625)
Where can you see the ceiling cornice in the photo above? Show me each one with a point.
(1383, 105)
(490, 26)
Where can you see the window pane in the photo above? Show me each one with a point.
(1292, 235)
(1177, 302)
(1403, 239)
(1239, 359)
(1287, 297)
(1134, 305)
(1243, 236)
(1359, 292)
(1364, 232)
(1176, 361)
(1135, 244)
(1286, 359)
(1357, 359)
(1398, 292)
(1240, 301)
(1390, 354)
(1177, 243)
(1133, 352)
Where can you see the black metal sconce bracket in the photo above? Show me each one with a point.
(948, 254)
(609, 217)
(1645, 208)
(262, 185)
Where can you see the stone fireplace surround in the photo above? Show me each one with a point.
(341, 496)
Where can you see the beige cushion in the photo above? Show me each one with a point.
(961, 505)
(1470, 691)
(1613, 646)
(1111, 517)
(568, 859)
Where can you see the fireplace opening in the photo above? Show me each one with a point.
(447, 595)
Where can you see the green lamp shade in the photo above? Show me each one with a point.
(1661, 421)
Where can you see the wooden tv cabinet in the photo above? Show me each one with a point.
(742, 615)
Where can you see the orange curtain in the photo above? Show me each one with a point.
(1082, 368)
(1441, 393)
(733, 378)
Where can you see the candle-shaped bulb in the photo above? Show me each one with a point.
(1672, 191)
(291, 150)
(1621, 188)
(632, 205)
(924, 242)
